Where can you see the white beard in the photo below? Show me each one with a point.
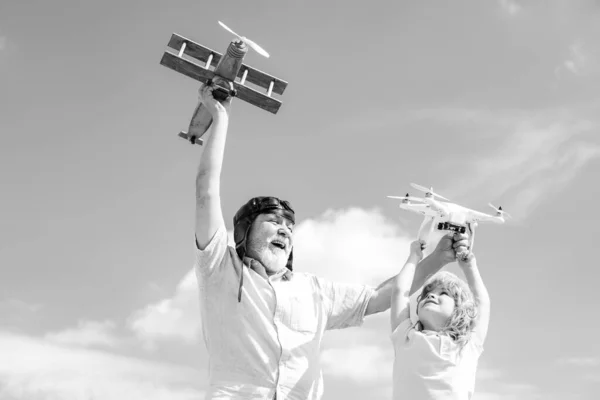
(271, 258)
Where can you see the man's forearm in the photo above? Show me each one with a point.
(209, 216)
(426, 268)
(381, 299)
(211, 160)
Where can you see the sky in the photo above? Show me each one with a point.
(486, 101)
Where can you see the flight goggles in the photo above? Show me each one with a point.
(261, 205)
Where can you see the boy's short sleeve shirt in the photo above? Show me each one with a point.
(428, 365)
(268, 344)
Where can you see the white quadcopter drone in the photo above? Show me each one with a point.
(446, 216)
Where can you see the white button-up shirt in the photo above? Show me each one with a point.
(267, 346)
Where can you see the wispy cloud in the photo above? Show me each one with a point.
(494, 384)
(584, 362)
(577, 61)
(538, 158)
(521, 157)
(34, 369)
(87, 333)
(584, 367)
(512, 7)
(15, 312)
(17, 305)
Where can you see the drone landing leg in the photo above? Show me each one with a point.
(422, 229)
(472, 238)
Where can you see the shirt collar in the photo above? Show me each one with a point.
(283, 274)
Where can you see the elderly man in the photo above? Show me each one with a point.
(262, 323)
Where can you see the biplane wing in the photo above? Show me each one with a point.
(186, 67)
(196, 52)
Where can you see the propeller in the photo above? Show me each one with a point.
(426, 190)
(249, 42)
(499, 210)
(407, 197)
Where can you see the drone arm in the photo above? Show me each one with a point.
(422, 229)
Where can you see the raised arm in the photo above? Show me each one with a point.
(444, 253)
(402, 284)
(209, 216)
(468, 264)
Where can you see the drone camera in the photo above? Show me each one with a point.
(447, 226)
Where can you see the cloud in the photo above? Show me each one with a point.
(18, 313)
(352, 245)
(576, 63)
(586, 368)
(512, 7)
(3, 42)
(492, 384)
(584, 362)
(13, 305)
(538, 158)
(508, 393)
(176, 318)
(522, 156)
(34, 369)
(362, 364)
(87, 333)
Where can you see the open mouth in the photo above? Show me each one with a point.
(279, 244)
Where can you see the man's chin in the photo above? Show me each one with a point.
(274, 262)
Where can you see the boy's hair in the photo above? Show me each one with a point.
(461, 322)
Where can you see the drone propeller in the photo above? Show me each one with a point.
(249, 42)
(500, 211)
(410, 198)
(426, 190)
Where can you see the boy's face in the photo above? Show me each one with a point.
(270, 241)
(435, 308)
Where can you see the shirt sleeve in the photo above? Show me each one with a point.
(475, 345)
(210, 260)
(345, 304)
(401, 331)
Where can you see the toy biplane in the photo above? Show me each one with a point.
(446, 216)
(227, 73)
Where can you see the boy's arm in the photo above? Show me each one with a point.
(209, 216)
(444, 253)
(402, 284)
(468, 264)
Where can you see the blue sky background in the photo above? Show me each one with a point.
(484, 100)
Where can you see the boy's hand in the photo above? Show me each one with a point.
(466, 259)
(214, 106)
(450, 245)
(416, 250)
